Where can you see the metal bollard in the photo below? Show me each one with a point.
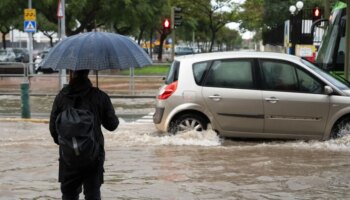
(25, 100)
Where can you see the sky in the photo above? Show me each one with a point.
(234, 25)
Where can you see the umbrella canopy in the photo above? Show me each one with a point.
(96, 51)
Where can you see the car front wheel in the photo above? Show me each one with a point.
(188, 122)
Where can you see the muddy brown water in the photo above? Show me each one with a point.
(143, 164)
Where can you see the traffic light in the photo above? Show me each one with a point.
(316, 13)
(177, 16)
(166, 26)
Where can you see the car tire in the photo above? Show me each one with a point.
(188, 122)
(341, 128)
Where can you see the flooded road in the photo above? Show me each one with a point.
(142, 164)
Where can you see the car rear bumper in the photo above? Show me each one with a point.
(158, 115)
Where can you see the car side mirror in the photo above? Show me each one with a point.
(328, 90)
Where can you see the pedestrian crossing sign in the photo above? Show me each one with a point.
(30, 26)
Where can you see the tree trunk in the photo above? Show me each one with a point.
(4, 40)
(160, 52)
(150, 44)
(142, 30)
(212, 39)
(51, 41)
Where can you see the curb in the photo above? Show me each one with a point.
(32, 120)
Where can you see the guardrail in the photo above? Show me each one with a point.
(14, 69)
(17, 69)
(114, 85)
(17, 79)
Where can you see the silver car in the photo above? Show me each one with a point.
(253, 95)
(7, 55)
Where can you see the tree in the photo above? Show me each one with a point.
(11, 14)
(80, 14)
(274, 12)
(216, 14)
(229, 38)
(48, 28)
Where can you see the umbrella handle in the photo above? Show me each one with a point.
(96, 78)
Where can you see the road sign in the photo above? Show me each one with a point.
(29, 14)
(30, 26)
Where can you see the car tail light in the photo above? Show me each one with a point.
(168, 91)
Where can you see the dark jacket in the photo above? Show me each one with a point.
(81, 92)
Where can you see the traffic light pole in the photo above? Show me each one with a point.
(173, 33)
(63, 72)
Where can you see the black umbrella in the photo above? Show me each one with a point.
(96, 51)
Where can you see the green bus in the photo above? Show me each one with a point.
(331, 53)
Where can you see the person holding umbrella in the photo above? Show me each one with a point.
(81, 53)
(71, 176)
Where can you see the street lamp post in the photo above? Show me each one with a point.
(295, 24)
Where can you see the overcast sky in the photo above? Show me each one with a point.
(234, 25)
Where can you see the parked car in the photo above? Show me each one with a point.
(22, 54)
(253, 95)
(7, 55)
(179, 50)
(38, 63)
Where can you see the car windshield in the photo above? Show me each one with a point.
(2, 53)
(338, 81)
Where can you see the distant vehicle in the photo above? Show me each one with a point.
(38, 63)
(179, 51)
(253, 95)
(7, 55)
(22, 54)
(197, 50)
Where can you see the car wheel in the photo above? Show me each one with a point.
(341, 128)
(188, 122)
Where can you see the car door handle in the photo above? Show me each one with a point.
(272, 99)
(215, 97)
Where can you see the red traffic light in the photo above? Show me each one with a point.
(166, 24)
(317, 12)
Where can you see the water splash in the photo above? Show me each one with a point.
(133, 138)
(339, 144)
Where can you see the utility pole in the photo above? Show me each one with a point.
(29, 17)
(30, 44)
(61, 14)
(326, 9)
(172, 20)
(176, 21)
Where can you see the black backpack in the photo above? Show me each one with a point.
(77, 136)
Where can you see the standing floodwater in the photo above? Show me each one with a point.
(142, 164)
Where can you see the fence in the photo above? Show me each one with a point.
(116, 85)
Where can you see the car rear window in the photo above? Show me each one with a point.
(199, 70)
(173, 73)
